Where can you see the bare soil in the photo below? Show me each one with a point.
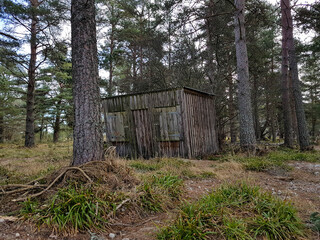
(301, 186)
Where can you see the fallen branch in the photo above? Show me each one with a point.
(9, 218)
(119, 206)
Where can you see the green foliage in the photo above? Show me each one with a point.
(72, 210)
(145, 166)
(315, 221)
(236, 212)
(275, 159)
(161, 165)
(160, 191)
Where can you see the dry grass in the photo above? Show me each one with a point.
(27, 163)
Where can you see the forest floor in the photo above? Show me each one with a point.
(290, 176)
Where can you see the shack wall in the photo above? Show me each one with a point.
(199, 124)
(169, 123)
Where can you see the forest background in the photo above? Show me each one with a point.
(151, 45)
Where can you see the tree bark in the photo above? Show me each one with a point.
(286, 108)
(247, 133)
(88, 138)
(112, 45)
(56, 128)
(1, 128)
(287, 26)
(232, 112)
(257, 127)
(29, 134)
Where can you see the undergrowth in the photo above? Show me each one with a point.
(274, 159)
(315, 221)
(160, 191)
(236, 212)
(173, 166)
(71, 210)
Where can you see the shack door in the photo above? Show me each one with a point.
(143, 133)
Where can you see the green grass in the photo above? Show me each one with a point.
(275, 159)
(159, 164)
(236, 212)
(144, 166)
(160, 191)
(315, 221)
(71, 210)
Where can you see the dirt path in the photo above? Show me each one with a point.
(301, 186)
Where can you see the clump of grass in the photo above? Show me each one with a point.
(4, 172)
(276, 159)
(294, 155)
(315, 221)
(188, 174)
(206, 175)
(171, 166)
(236, 212)
(262, 164)
(71, 210)
(145, 166)
(160, 191)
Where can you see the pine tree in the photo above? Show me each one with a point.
(88, 138)
(247, 135)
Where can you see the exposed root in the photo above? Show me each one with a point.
(107, 173)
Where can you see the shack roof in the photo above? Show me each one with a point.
(164, 90)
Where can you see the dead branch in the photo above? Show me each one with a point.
(119, 206)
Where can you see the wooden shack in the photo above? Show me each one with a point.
(174, 123)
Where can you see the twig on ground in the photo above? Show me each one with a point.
(119, 206)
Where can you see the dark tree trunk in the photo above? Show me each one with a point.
(210, 50)
(304, 141)
(287, 114)
(1, 128)
(112, 45)
(247, 134)
(29, 135)
(56, 128)
(257, 127)
(232, 112)
(88, 138)
(41, 127)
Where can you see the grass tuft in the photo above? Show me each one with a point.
(159, 192)
(71, 210)
(236, 212)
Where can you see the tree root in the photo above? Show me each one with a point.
(27, 187)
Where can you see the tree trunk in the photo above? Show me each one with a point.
(56, 128)
(247, 134)
(286, 108)
(232, 112)
(88, 138)
(111, 53)
(210, 50)
(304, 141)
(29, 135)
(257, 127)
(1, 128)
(41, 127)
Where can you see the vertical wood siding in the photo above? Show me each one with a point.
(168, 123)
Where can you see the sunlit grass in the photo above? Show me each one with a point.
(236, 212)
